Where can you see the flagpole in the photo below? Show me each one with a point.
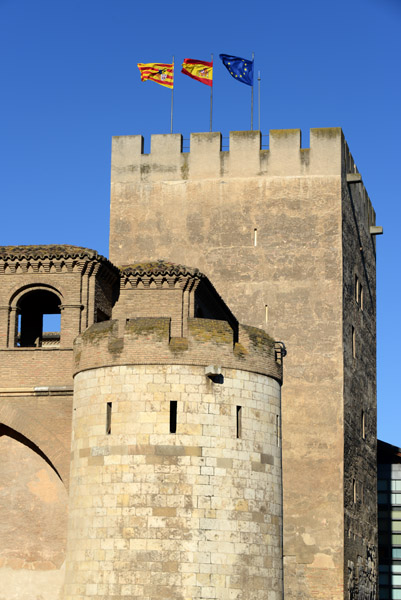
(259, 100)
(253, 57)
(211, 96)
(172, 101)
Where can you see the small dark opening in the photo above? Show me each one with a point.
(239, 421)
(173, 416)
(38, 319)
(108, 418)
(101, 316)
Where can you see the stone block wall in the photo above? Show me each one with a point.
(191, 514)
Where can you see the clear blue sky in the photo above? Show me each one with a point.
(69, 82)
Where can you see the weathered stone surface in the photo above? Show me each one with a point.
(282, 236)
(185, 514)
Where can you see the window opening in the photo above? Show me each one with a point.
(354, 491)
(39, 319)
(255, 237)
(239, 421)
(356, 289)
(173, 416)
(363, 425)
(353, 343)
(266, 313)
(278, 433)
(108, 417)
(358, 293)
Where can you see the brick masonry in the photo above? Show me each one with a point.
(36, 385)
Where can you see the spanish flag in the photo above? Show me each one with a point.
(198, 69)
(158, 72)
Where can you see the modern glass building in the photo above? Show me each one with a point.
(389, 514)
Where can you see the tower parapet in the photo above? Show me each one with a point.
(161, 189)
(327, 154)
(148, 341)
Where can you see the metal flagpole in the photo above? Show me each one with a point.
(253, 57)
(172, 101)
(258, 100)
(211, 96)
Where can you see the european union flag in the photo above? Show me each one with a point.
(240, 68)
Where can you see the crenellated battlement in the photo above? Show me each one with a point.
(148, 341)
(328, 155)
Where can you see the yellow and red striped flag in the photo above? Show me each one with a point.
(158, 72)
(198, 69)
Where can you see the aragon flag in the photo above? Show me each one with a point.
(198, 69)
(158, 72)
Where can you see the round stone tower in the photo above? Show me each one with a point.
(176, 457)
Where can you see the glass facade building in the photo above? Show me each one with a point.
(389, 524)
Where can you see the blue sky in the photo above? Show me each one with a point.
(70, 82)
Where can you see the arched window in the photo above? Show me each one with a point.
(38, 319)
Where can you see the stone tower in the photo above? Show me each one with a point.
(175, 485)
(288, 237)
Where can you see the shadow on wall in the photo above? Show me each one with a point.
(33, 506)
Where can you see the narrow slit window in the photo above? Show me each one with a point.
(239, 421)
(363, 425)
(354, 491)
(108, 417)
(356, 289)
(255, 237)
(173, 416)
(353, 342)
(278, 433)
(361, 297)
(266, 313)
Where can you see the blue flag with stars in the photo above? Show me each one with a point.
(240, 68)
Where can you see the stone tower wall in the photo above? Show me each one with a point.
(360, 455)
(194, 513)
(267, 227)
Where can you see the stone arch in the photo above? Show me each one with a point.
(47, 444)
(33, 507)
(22, 439)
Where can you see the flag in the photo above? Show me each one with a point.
(240, 68)
(198, 69)
(158, 72)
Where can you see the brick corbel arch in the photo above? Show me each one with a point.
(17, 293)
